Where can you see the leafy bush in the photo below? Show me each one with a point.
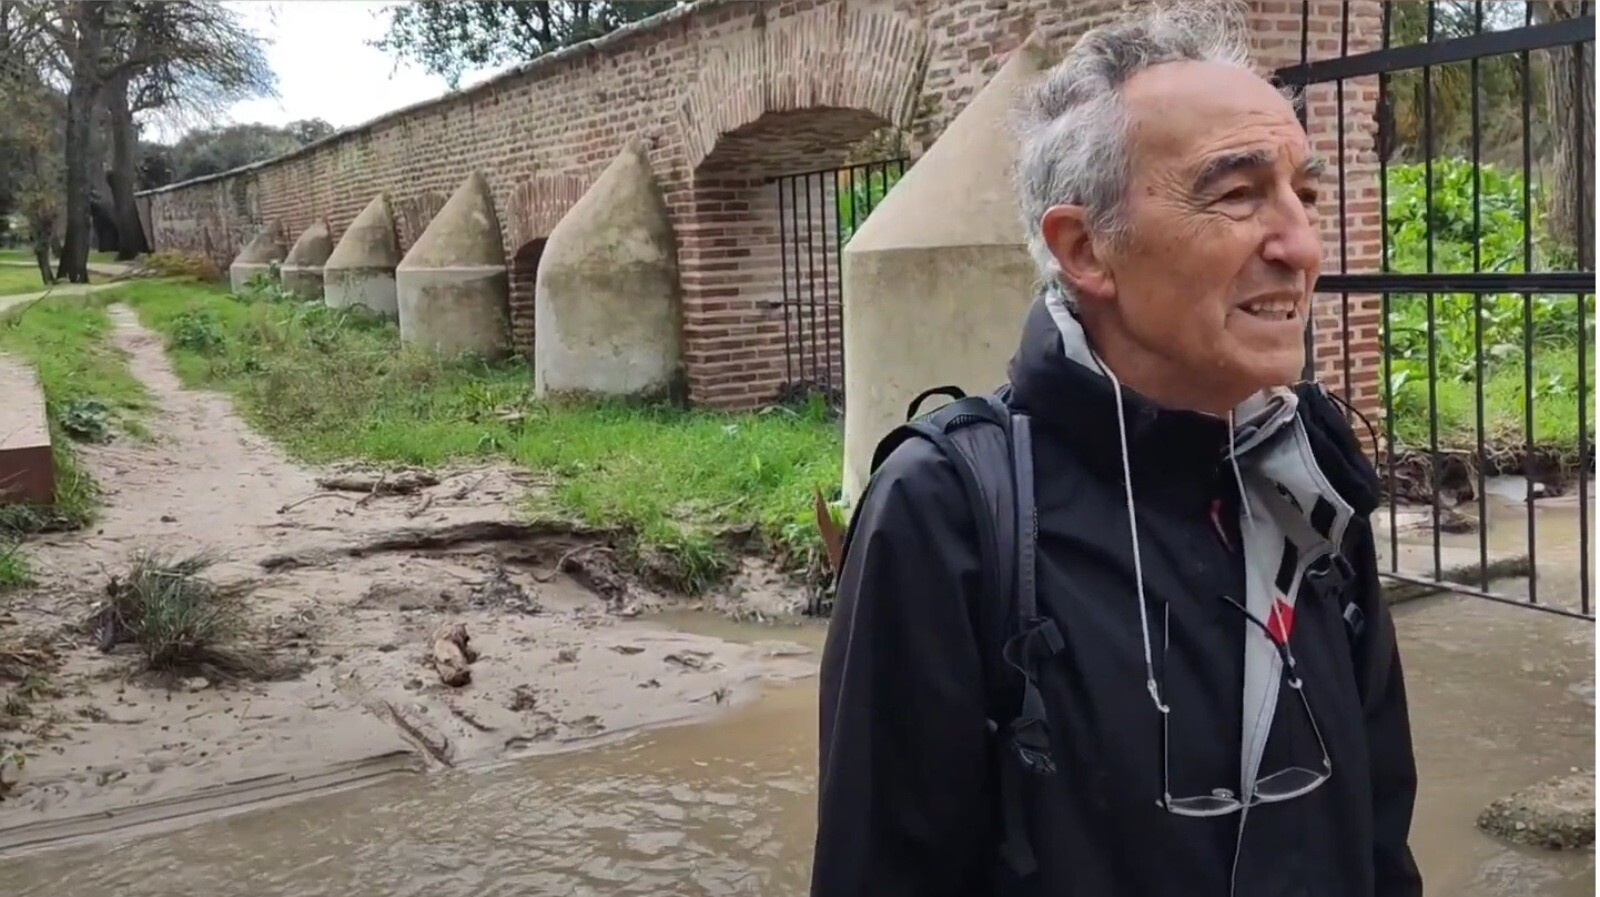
(1440, 226)
(182, 264)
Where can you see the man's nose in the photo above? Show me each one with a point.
(1294, 241)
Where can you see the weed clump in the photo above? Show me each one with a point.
(181, 622)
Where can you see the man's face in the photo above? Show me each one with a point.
(1210, 288)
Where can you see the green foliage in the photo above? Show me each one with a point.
(179, 620)
(859, 191)
(336, 384)
(86, 420)
(1442, 224)
(453, 38)
(88, 389)
(206, 151)
(14, 571)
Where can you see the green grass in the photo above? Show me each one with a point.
(338, 385)
(14, 571)
(26, 255)
(15, 280)
(1555, 405)
(89, 394)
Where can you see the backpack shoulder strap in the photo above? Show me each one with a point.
(991, 447)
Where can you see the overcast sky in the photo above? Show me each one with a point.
(318, 48)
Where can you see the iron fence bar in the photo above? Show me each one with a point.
(834, 170)
(811, 272)
(1308, 337)
(1344, 235)
(1569, 282)
(839, 250)
(1459, 49)
(1481, 421)
(827, 285)
(783, 254)
(1462, 589)
(1386, 302)
(1578, 79)
(1527, 311)
(1433, 334)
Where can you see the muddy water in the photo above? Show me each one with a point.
(1501, 698)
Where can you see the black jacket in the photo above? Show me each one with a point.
(907, 802)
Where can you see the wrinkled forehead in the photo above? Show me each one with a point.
(1187, 115)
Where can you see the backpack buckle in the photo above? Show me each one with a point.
(1030, 741)
(1329, 575)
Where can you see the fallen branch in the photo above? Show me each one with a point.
(435, 539)
(295, 504)
(404, 483)
(421, 506)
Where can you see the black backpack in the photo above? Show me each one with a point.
(991, 446)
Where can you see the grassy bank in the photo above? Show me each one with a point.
(17, 280)
(1555, 404)
(90, 395)
(26, 255)
(334, 385)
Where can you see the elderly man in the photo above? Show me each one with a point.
(1211, 700)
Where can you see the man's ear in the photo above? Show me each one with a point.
(1066, 231)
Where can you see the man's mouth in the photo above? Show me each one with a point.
(1272, 309)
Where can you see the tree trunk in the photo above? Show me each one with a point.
(124, 174)
(81, 102)
(1569, 204)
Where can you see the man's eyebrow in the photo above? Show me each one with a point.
(1219, 167)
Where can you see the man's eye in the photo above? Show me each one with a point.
(1237, 194)
(1309, 197)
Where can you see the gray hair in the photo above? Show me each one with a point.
(1073, 126)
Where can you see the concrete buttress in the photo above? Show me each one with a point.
(257, 256)
(452, 287)
(361, 270)
(302, 267)
(937, 281)
(606, 296)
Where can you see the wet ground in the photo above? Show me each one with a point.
(1501, 698)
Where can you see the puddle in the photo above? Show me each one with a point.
(1501, 698)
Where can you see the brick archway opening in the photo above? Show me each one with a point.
(524, 271)
(733, 257)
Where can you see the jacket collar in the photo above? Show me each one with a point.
(1172, 453)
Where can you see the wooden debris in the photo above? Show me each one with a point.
(405, 482)
(452, 655)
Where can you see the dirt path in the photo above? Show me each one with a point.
(352, 586)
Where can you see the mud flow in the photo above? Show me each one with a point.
(726, 808)
(608, 744)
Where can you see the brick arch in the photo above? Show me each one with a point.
(537, 204)
(840, 58)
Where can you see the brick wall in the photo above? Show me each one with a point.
(727, 96)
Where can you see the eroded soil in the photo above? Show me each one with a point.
(348, 589)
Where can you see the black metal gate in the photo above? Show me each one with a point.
(818, 213)
(1482, 288)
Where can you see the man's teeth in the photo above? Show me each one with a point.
(1277, 311)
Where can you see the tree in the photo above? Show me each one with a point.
(32, 180)
(206, 151)
(120, 58)
(1569, 86)
(451, 38)
(186, 59)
